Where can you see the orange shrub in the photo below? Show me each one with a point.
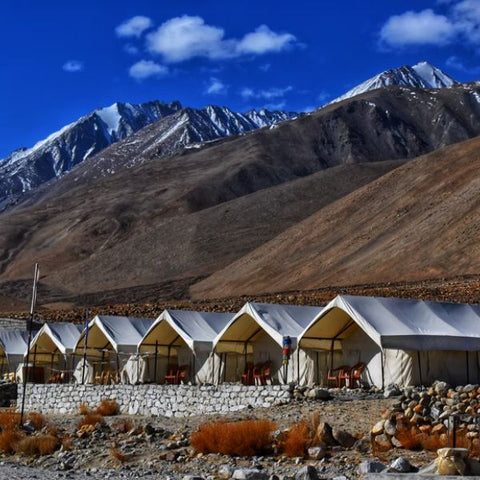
(83, 408)
(123, 427)
(9, 439)
(245, 438)
(297, 440)
(37, 419)
(9, 419)
(67, 443)
(117, 454)
(90, 419)
(107, 407)
(37, 445)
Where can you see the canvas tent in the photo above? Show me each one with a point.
(13, 345)
(110, 342)
(52, 350)
(256, 333)
(407, 342)
(184, 338)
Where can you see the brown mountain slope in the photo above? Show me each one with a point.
(104, 243)
(420, 221)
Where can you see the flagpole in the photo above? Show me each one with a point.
(85, 340)
(30, 328)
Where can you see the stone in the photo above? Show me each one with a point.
(451, 461)
(378, 427)
(324, 434)
(319, 394)
(249, 474)
(382, 442)
(193, 477)
(441, 388)
(396, 442)
(401, 465)
(225, 472)
(392, 390)
(343, 438)
(371, 466)
(307, 473)
(390, 428)
(316, 453)
(362, 445)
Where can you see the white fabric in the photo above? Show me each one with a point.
(258, 329)
(13, 345)
(188, 336)
(407, 342)
(135, 370)
(123, 333)
(79, 372)
(63, 335)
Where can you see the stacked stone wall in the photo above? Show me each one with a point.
(165, 400)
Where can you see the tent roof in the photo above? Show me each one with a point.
(123, 333)
(400, 323)
(64, 335)
(276, 320)
(195, 328)
(13, 342)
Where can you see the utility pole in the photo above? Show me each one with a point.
(30, 328)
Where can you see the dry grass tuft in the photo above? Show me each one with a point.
(123, 427)
(243, 439)
(117, 454)
(108, 407)
(9, 440)
(38, 419)
(43, 444)
(91, 418)
(9, 419)
(297, 440)
(67, 443)
(83, 408)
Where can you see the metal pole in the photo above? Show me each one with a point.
(468, 368)
(29, 340)
(85, 341)
(34, 358)
(156, 360)
(419, 367)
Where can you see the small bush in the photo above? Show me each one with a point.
(37, 419)
(117, 454)
(67, 443)
(244, 439)
(9, 439)
(123, 427)
(9, 419)
(107, 408)
(83, 409)
(297, 440)
(90, 419)
(44, 444)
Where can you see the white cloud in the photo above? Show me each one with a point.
(265, 67)
(186, 37)
(134, 27)
(267, 94)
(424, 28)
(322, 97)
(275, 106)
(131, 49)
(147, 68)
(461, 22)
(216, 87)
(457, 64)
(73, 66)
(264, 40)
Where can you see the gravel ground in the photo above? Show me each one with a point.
(166, 453)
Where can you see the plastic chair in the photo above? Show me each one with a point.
(334, 375)
(356, 375)
(247, 377)
(172, 374)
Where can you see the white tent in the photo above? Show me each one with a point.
(256, 334)
(401, 341)
(52, 348)
(13, 345)
(110, 342)
(181, 337)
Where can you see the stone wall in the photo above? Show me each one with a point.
(166, 400)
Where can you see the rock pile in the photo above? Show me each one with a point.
(425, 418)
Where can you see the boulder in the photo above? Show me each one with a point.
(371, 466)
(307, 473)
(401, 465)
(378, 427)
(249, 474)
(382, 443)
(319, 394)
(343, 438)
(325, 434)
(392, 391)
(316, 453)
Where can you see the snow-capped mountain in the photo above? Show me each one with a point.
(421, 75)
(187, 128)
(27, 168)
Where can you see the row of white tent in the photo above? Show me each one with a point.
(406, 342)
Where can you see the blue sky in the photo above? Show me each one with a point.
(62, 59)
